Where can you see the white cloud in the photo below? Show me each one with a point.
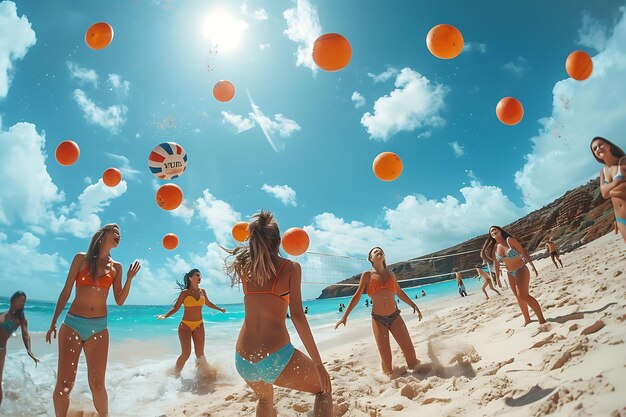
(118, 84)
(303, 27)
(284, 193)
(517, 66)
(580, 110)
(264, 46)
(592, 34)
(258, 14)
(280, 125)
(31, 194)
(414, 104)
(218, 215)
(457, 148)
(359, 100)
(83, 75)
(185, 211)
(475, 46)
(237, 121)
(418, 225)
(383, 76)
(128, 172)
(16, 37)
(112, 118)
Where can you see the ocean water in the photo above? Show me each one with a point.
(143, 351)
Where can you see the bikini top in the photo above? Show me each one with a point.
(284, 296)
(10, 325)
(189, 301)
(375, 285)
(84, 278)
(619, 175)
(510, 253)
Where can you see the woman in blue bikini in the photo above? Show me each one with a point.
(612, 177)
(264, 354)
(501, 246)
(9, 322)
(85, 326)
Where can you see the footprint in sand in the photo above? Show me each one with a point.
(593, 328)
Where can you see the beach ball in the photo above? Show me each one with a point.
(223, 91)
(295, 241)
(332, 52)
(241, 231)
(444, 41)
(111, 177)
(99, 35)
(167, 161)
(169, 196)
(579, 65)
(510, 111)
(170, 241)
(67, 152)
(387, 166)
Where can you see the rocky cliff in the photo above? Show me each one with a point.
(580, 216)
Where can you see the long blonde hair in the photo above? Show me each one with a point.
(94, 248)
(254, 262)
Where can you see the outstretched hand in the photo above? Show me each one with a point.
(340, 322)
(133, 269)
(33, 357)
(417, 310)
(51, 331)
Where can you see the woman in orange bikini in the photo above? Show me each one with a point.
(191, 327)
(85, 326)
(382, 287)
(264, 354)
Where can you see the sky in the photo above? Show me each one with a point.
(296, 140)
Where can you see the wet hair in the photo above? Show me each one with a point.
(91, 256)
(616, 151)
(186, 281)
(19, 313)
(369, 256)
(488, 252)
(254, 261)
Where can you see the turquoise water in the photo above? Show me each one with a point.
(139, 321)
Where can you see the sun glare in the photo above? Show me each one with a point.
(221, 28)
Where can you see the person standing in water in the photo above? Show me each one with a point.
(554, 253)
(382, 287)
(10, 321)
(191, 326)
(264, 354)
(459, 282)
(612, 177)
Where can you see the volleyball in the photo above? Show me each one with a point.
(167, 161)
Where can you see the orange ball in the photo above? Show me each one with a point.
(241, 231)
(67, 152)
(332, 52)
(579, 65)
(111, 177)
(510, 111)
(387, 166)
(295, 241)
(223, 91)
(169, 196)
(99, 35)
(444, 41)
(170, 241)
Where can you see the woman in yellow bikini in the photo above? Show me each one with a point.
(191, 327)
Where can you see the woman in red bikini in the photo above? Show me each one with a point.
(191, 327)
(85, 326)
(382, 287)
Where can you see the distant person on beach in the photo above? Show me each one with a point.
(423, 293)
(191, 327)
(459, 282)
(340, 308)
(501, 246)
(9, 322)
(264, 354)
(554, 253)
(85, 325)
(306, 310)
(381, 286)
(483, 271)
(612, 177)
(367, 303)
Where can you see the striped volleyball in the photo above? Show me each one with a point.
(167, 161)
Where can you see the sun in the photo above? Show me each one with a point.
(222, 29)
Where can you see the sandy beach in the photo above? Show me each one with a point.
(483, 361)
